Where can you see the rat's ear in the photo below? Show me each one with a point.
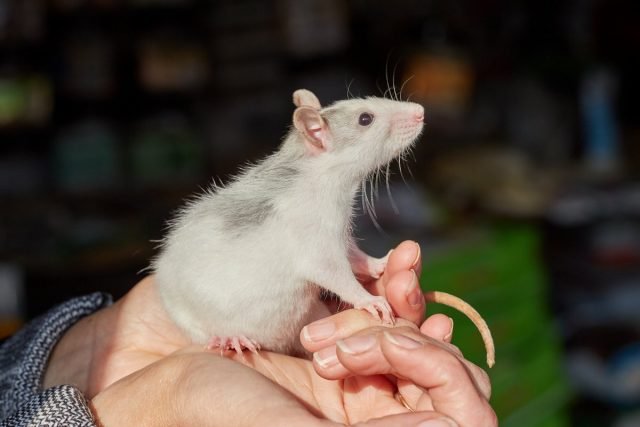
(306, 98)
(313, 128)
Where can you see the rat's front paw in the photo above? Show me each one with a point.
(378, 307)
(376, 266)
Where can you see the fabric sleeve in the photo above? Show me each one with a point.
(23, 360)
(62, 405)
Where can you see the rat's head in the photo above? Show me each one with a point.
(360, 134)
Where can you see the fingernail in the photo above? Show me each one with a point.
(439, 422)
(356, 345)
(414, 294)
(415, 261)
(318, 331)
(450, 333)
(326, 357)
(402, 341)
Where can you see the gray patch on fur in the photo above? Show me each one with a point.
(239, 214)
(249, 202)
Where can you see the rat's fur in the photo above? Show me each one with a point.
(249, 259)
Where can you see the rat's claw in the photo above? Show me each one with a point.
(235, 343)
(215, 342)
(378, 307)
(251, 345)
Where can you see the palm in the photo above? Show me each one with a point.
(350, 400)
(141, 333)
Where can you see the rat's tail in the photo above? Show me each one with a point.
(471, 313)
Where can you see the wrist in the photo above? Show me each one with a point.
(75, 354)
(145, 397)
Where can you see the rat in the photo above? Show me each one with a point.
(242, 265)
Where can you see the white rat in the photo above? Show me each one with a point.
(242, 265)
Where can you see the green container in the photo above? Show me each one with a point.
(501, 276)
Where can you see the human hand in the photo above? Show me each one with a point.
(137, 331)
(134, 341)
(405, 367)
(431, 375)
(399, 282)
(114, 342)
(196, 388)
(192, 387)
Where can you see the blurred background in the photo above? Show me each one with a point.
(523, 190)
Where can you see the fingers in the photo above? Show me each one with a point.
(439, 327)
(406, 256)
(325, 332)
(405, 296)
(416, 419)
(399, 283)
(451, 385)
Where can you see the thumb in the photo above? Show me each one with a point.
(411, 419)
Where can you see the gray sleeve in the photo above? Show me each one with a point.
(62, 405)
(23, 359)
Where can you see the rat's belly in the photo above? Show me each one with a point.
(246, 286)
(271, 317)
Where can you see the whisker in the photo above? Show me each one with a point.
(393, 81)
(399, 160)
(386, 75)
(379, 88)
(376, 180)
(369, 209)
(349, 94)
(391, 200)
(372, 195)
(388, 93)
(405, 82)
(368, 203)
(363, 193)
(405, 155)
(410, 172)
(362, 196)
(413, 155)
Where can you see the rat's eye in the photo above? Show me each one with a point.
(365, 119)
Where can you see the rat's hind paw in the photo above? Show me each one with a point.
(233, 343)
(378, 307)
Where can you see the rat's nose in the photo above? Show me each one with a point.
(419, 114)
